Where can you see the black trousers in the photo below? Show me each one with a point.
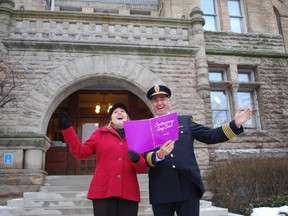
(184, 208)
(113, 206)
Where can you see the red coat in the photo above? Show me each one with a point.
(115, 174)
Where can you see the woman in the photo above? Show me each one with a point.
(114, 189)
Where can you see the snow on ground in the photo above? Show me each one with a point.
(269, 211)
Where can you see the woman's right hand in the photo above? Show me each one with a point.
(65, 121)
(165, 149)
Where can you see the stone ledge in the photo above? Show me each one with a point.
(22, 177)
(24, 141)
(248, 153)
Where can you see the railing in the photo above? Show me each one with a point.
(98, 28)
(138, 2)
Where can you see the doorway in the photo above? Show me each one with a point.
(86, 126)
(85, 118)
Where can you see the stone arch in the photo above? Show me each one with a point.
(70, 77)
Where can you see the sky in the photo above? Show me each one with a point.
(268, 211)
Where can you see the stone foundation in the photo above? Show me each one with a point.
(22, 164)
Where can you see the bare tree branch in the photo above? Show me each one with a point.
(10, 78)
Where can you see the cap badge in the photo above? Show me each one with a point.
(156, 88)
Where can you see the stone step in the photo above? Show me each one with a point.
(75, 183)
(55, 188)
(66, 207)
(45, 203)
(80, 184)
(79, 178)
(71, 211)
(67, 195)
(63, 195)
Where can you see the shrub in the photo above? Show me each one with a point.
(243, 184)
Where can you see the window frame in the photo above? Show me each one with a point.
(215, 16)
(241, 17)
(220, 86)
(254, 105)
(232, 89)
(227, 111)
(251, 86)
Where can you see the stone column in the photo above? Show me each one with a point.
(197, 38)
(235, 86)
(33, 159)
(6, 11)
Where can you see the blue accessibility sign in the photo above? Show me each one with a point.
(8, 158)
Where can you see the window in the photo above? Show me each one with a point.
(245, 76)
(220, 112)
(235, 8)
(247, 96)
(219, 97)
(210, 15)
(227, 95)
(216, 75)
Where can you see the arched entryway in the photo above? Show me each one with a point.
(95, 75)
(81, 107)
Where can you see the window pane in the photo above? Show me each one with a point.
(234, 8)
(220, 111)
(245, 100)
(244, 77)
(219, 118)
(218, 100)
(210, 23)
(207, 6)
(217, 76)
(235, 25)
(249, 123)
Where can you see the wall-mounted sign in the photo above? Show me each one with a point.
(8, 158)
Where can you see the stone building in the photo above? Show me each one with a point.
(74, 55)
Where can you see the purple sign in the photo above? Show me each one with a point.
(145, 135)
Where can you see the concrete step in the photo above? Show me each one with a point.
(67, 195)
(84, 207)
(47, 203)
(67, 209)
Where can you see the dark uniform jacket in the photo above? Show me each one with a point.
(177, 177)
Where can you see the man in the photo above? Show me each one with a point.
(175, 183)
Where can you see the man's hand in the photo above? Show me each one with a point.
(165, 149)
(134, 156)
(242, 116)
(64, 120)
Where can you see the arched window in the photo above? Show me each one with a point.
(277, 15)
